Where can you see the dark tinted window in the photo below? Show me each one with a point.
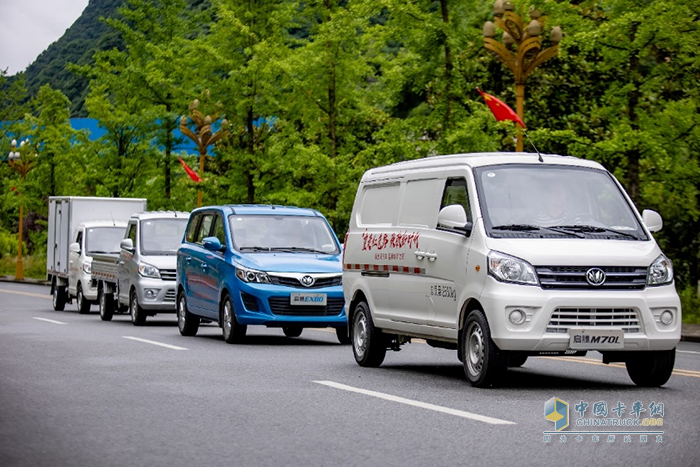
(218, 230)
(204, 228)
(456, 193)
(192, 227)
(131, 232)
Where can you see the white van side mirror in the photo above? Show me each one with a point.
(127, 244)
(652, 220)
(454, 218)
(74, 247)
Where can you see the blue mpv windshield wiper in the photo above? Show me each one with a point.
(295, 249)
(254, 248)
(528, 228)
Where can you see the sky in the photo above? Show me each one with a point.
(30, 26)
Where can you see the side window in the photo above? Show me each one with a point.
(456, 193)
(192, 228)
(79, 238)
(218, 230)
(131, 232)
(204, 228)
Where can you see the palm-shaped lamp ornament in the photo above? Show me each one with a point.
(203, 134)
(521, 49)
(22, 166)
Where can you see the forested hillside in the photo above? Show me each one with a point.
(316, 92)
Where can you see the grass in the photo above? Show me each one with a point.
(34, 266)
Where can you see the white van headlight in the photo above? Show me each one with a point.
(87, 267)
(507, 268)
(147, 270)
(251, 275)
(660, 272)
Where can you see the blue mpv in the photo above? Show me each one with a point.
(275, 266)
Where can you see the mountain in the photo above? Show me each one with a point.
(86, 36)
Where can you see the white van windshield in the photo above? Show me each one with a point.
(162, 236)
(554, 201)
(291, 234)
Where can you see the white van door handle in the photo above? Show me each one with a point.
(419, 255)
(431, 256)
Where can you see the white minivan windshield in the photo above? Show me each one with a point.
(552, 201)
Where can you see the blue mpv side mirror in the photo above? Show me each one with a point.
(212, 244)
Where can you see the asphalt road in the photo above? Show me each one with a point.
(78, 391)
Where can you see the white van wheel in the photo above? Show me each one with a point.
(59, 297)
(651, 369)
(484, 364)
(138, 315)
(83, 304)
(106, 303)
(368, 343)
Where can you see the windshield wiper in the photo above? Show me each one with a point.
(594, 228)
(254, 248)
(297, 248)
(529, 228)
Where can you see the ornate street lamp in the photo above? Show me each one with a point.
(22, 166)
(203, 136)
(521, 48)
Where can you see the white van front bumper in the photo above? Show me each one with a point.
(552, 315)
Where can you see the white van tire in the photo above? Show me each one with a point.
(138, 314)
(651, 369)
(368, 343)
(484, 364)
(106, 305)
(59, 297)
(83, 303)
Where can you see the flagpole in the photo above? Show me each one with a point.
(520, 110)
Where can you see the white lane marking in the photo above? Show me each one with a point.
(48, 320)
(167, 346)
(28, 294)
(423, 405)
(688, 351)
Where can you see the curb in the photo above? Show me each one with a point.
(24, 281)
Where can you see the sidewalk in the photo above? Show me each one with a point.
(689, 332)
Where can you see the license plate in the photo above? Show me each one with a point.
(595, 339)
(318, 299)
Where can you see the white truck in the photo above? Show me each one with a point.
(79, 227)
(140, 274)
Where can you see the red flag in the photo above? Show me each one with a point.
(499, 109)
(193, 175)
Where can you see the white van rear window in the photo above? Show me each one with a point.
(380, 204)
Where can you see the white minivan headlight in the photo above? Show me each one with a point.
(87, 267)
(147, 270)
(660, 272)
(507, 268)
(251, 275)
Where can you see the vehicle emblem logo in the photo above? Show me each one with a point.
(595, 276)
(307, 281)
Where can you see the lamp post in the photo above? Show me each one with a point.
(203, 136)
(22, 166)
(521, 50)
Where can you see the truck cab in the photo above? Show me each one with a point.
(145, 269)
(91, 238)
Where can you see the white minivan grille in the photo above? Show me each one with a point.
(562, 319)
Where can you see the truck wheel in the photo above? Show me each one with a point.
(292, 331)
(138, 315)
(59, 297)
(106, 303)
(516, 360)
(651, 369)
(234, 332)
(83, 304)
(187, 323)
(343, 335)
(484, 364)
(368, 343)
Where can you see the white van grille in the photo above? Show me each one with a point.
(574, 277)
(562, 319)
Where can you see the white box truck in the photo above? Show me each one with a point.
(78, 227)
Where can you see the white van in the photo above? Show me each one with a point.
(502, 256)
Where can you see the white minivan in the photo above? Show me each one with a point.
(503, 256)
